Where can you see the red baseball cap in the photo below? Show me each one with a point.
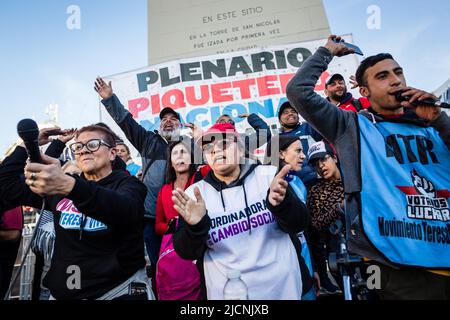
(218, 130)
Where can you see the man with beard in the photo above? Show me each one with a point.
(291, 126)
(337, 94)
(152, 147)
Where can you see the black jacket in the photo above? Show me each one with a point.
(108, 250)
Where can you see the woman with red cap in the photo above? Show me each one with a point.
(240, 217)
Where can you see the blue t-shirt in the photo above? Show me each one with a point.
(133, 168)
(301, 192)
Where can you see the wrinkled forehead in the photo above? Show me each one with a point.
(169, 116)
(89, 135)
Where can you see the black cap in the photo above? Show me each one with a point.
(285, 105)
(168, 110)
(283, 141)
(334, 77)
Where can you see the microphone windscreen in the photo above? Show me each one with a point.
(400, 98)
(28, 130)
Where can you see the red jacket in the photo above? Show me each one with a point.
(348, 105)
(164, 209)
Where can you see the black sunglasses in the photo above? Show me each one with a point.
(230, 121)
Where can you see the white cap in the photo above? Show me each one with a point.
(233, 274)
(318, 150)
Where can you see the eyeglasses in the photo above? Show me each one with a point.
(223, 144)
(230, 121)
(92, 145)
(317, 162)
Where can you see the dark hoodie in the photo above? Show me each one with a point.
(110, 247)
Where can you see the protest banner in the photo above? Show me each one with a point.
(202, 89)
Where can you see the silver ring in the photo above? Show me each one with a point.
(33, 175)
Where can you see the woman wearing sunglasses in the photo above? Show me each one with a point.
(325, 202)
(240, 217)
(98, 218)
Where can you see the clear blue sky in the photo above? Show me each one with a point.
(42, 62)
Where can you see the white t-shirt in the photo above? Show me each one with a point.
(265, 256)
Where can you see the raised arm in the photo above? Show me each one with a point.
(262, 134)
(328, 120)
(57, 146)
(133, 131)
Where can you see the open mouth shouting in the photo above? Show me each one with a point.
(220, 159)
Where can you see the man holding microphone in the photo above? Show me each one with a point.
(395, 165)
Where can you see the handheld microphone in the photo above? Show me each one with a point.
(28, 130)
(427, 102)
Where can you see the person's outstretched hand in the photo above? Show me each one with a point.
(191, 210)
(103, 89)
(279, 186)
(353, 82)
(46, 133)
(196, 130)
(67, 135)
(337, 49)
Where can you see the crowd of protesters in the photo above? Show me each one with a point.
(203, 204)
